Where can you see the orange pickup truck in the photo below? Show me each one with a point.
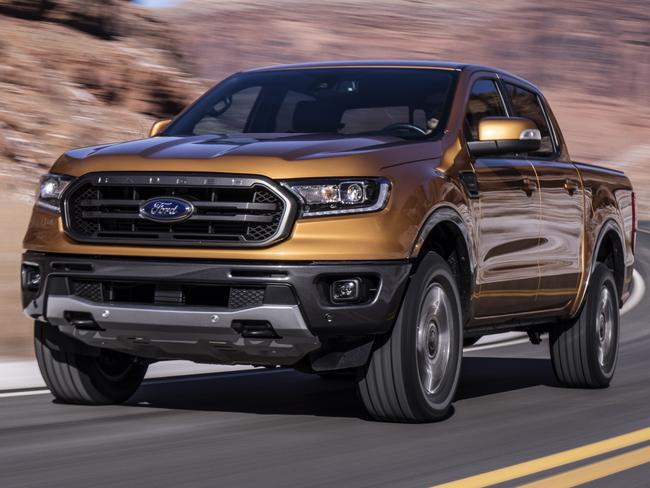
(361, 217)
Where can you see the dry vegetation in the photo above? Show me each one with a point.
(81, 72)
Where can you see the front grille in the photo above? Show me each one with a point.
(228, 211)
(154, 293)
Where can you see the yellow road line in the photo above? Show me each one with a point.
(552, 461)
(594, 471)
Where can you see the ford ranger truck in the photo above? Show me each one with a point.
(361, 217)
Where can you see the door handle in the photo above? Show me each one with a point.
(570, 186)
(528, 186)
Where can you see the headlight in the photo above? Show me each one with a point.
(51, 189)
(342, 196)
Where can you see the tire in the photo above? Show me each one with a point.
(100, 377)
(470, 341)
(396, 385)
(584, 352)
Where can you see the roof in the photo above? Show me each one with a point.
(401, 63)
(392, 63)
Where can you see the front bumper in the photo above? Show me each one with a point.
(295, 305)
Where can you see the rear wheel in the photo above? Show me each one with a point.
(584, 352)
(413, 373)
(103, 377)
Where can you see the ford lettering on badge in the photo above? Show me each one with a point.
(166, 209)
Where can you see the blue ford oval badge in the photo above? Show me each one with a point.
(166, 209)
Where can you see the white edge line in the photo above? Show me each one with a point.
(24, 393)
(209, 376)
(188, 378)
(494, 346)
(638, 292)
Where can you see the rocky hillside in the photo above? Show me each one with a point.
(81, 73)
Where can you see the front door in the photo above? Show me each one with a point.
(508, 237)
(507, 213)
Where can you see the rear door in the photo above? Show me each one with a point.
(561, 205)
(507, 216)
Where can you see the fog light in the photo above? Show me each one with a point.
(345, 290)
(31, 277)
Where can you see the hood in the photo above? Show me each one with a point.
(251, 153)
(289, 147)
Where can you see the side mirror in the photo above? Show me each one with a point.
(503, 135)
(159, 126)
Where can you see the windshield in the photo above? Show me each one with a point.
(406, 102)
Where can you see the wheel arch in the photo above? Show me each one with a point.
(609, 250)
(448, 234)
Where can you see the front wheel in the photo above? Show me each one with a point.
(413, 373)
(584, 352)
(103, 377)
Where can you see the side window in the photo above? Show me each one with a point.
(525, 103)
(484, 101)
(229, 115)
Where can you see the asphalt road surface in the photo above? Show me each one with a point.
(282, 428)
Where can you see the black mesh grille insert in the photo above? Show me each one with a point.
(106, 208)
(245, 297)
(89, 290)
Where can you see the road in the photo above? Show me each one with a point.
(282, 428)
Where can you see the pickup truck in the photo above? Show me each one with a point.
(371, 218)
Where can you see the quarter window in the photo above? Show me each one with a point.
(526, 104)
(484, 101)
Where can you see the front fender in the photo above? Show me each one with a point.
(445, 212)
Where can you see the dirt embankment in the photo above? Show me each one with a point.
(15, 328)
